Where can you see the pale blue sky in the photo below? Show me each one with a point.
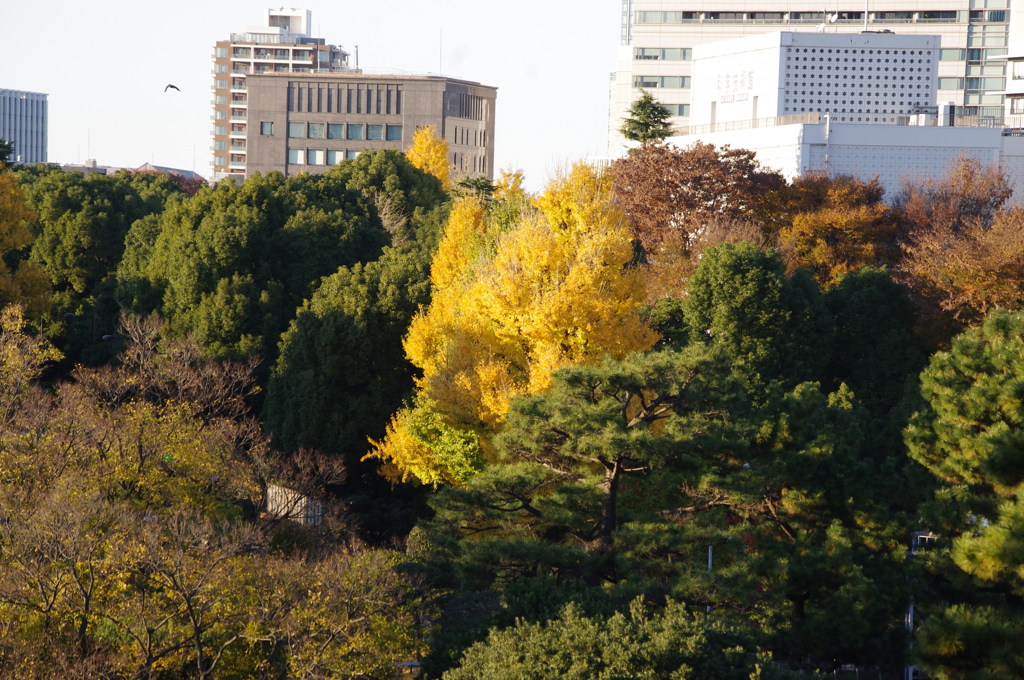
(104, 66)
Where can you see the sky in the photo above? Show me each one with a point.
(104, 66)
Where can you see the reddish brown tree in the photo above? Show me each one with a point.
(963, 254)
(665, 190)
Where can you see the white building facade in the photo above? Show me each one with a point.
(284, 45)
(855, 77)
(658, 39)
(843, 104)
(23, 121)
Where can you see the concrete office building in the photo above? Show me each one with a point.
(842, 104)
(23, 122)
(284, 45)
(658, 38)
(309, 122)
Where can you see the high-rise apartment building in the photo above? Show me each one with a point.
(284, 45)
(309, 122)
(23, 122)
(658, 37)
(1015, 70)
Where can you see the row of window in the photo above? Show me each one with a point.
(663, 53)
(357, 131)
(303, 54)
(320, 156)
(945, 54)
(972, 83)
(935, 17)
(976, 54)
(649, 82)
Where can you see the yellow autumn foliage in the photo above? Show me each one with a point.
(24, 283)
(510, 306)
(429, 153)
(509, 184)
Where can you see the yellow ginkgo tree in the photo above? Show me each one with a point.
(429, 153)
(513, 302)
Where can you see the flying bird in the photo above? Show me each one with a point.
(170, 87)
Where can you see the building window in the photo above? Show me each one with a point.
(894, 17)
(351, 155)
(335, 131)
(393, 133)
(220, 84)
(375, 132)
(315, 157)
(678, 109)
(951, 83)
(985, 83)
(952, 54)
(1018, 70)
(220, 52)
(733, 17)
(220, 160)
(220, 68)
(945, 16)
(267, 127)
(316, 130)
(241, 52)
(220, 115)
(220, 129)
(220, 146)
(335, 157)
(355, 131)
(296, 156)
(220, 99)
(1017, 105)
(296, 129)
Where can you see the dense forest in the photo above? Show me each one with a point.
(675, 418)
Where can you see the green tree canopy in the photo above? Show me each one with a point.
(771, 326)
(674, 642)
(234, 263)
(623, 475)
(969, 436)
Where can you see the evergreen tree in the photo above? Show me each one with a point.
(647, 122)
(6, 151)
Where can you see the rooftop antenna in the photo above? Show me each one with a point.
(866, 15)
(440, 51)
